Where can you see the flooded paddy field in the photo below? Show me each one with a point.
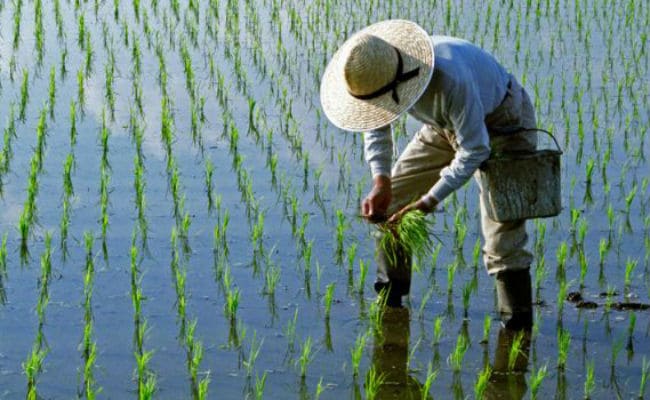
(179, 220)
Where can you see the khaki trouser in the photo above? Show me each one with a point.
(418, 169)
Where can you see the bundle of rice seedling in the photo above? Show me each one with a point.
(410, 234)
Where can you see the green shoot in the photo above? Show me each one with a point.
(373, 381)
(515, 350)
(536, 378)
(563, 343)
(455, 359)
(306, 356)
(590, 383)
(431, 377)
(437, 330)
(357, 352)
(482, 381)
(329, 296)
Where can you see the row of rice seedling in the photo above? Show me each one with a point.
(68, 187)
(29, 216)
(146, 379)
(88, 347)
(33, 365)
(193, 347)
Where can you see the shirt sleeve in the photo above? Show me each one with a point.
(378, 148)
(466, 115)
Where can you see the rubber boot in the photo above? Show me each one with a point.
(393, 273)
(514, 297)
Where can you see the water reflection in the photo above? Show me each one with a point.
(390, 356)
(508, 379)
(3, 293)
(391, 352)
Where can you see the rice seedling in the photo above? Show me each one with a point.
(81, 31)
(451, 273)
(290, 331)
(341, 227)
(423, 303)
(536, 378)
(630, 333)
(437, 330)
(476, 253)
(590, 383)
(584, 264)
(209, 170)
(467, 295)
(232, 304)
(271, 279)
(88, 55)
(376, 313)
(561, 295)
(17, 17)
(412, 232)
(455, 358)
(34, 363)
(430, 378)
(257, 233)
(319, 389)
(9, 134)
(645, 374)
(146, 381)
(351, 255)
(563, 343)
(356, 352)
(306, 357)
(629, 198)
(307, 255)
(515, 350)
(329, 297)
(32, 367)
(52, 92)
(260, 382)
(540, 276)
(3, 268)
(603, 250)
(561, 255)
(373, 382)
(24, 95)
(81, 90)
(88, 346)
(482, 381)
(194, 351)
(253, 353)
(630, 266)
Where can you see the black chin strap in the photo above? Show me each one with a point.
(391, 86)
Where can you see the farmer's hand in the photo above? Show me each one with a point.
(374, 206)
(425, 207)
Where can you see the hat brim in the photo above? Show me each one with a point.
(352, 114)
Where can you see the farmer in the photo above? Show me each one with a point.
(467, 103)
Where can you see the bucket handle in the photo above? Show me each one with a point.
(545, 131)
(520, 130)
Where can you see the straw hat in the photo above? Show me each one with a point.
(363, 87)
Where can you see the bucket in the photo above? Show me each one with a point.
(522, 185)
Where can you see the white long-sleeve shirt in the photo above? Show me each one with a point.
(467, 84)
